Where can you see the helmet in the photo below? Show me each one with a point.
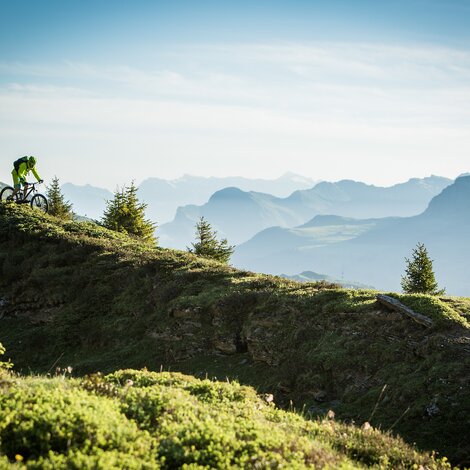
(31, 161)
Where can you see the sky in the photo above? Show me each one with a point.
(108, 91)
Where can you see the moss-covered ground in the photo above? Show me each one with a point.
(75, 294)
(139, 419)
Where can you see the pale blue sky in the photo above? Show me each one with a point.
(108, 91)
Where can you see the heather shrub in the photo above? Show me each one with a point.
(43, 416)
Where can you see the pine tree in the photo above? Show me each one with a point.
(124, 213)
(207, 245)
(419, 276)
(58, 206)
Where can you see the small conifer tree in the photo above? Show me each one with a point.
(124, 213)
(58, 206)
(207, 245)
(419, 276)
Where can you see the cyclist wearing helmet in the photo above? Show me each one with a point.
(22, 167)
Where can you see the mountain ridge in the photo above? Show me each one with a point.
(243, 214)
(360, 252)
(165, 196)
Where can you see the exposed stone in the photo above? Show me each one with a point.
(186, 313)
(260, 353)
(166, 335)
(225, 345)
(189, 325)
(366, 426)
(268, 397)
(432, 409)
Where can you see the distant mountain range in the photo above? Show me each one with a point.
(311, 276)
(164, 196)
(238, 215)
(88, 201)
(372, 251)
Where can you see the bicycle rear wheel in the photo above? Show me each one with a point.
(39, 202)
(6, 194)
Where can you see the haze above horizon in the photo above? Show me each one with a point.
(106, 92)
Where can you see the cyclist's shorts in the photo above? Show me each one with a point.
(16, 179)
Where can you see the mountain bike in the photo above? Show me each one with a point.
(31, 197)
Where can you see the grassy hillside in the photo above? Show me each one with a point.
(138, 419)
(78, 295)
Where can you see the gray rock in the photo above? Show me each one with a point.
(432, 410)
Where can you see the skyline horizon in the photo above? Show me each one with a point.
(181, 177)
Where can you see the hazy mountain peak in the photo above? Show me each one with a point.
(453, 200)
(230, 193)
(345, 184)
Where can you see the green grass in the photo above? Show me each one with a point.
(332, 233)
(442, 310)
(141, 419)
(83, 296)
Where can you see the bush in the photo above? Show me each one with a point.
(149, 420)
(4, 365)
(47, 416)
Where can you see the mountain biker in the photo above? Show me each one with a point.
(22, 167)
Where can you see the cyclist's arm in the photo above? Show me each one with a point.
(35, 173)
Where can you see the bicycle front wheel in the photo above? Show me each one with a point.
(6, 194)
(38, 201)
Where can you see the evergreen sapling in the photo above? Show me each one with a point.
(58, 206)
(419, 276)
(124, 213)
(207, 245)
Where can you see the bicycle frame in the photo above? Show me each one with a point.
(31, 190)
